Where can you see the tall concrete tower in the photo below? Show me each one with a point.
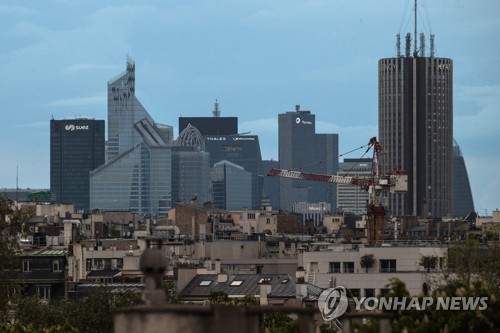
(416, 127)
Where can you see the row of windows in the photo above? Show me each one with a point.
(385, 266)
(27, 265)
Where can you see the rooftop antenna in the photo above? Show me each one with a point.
(422, 45)
(216, 111)
(398, 45)
(432, 46)
(17, 182)
(415, 34)
(407, 45)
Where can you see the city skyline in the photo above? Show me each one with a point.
(259, 60)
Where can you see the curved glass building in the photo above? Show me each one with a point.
(463, 204)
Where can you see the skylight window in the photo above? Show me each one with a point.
(264, 280)
(236, 283)
(205, 283)
(285, 281)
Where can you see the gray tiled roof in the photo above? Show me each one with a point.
(282, 286)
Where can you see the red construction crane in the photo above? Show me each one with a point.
(376, 185)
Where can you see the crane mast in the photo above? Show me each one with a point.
(376, 185)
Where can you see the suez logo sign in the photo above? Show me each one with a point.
(72, 127)
(300, 121)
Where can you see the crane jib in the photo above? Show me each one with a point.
(311, 176)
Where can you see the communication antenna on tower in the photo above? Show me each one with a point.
(432, 46)
(407, 44)
(398, 45)
(415, 32)
(216, 111)
(17, 182)
(422, 45)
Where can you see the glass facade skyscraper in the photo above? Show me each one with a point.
(242, 150)
(137, 174)
(300, 146)
(76, 148)
(463, 204)
(230, 184)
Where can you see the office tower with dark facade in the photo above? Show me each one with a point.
(416, 127)
(137, 174)
(244, 151)
(300, 146)
(215, 125)
(76, 148)
(463, 204)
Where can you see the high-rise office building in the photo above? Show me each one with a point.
(244, 151)
(416, 127)
(353, 199)
(76, 148)
(190, 168)
(271, 187)
(463, 204)
(230, 184)
(301, 147)
(137, 174)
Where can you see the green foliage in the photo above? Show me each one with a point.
(433, 320)
(367, 261)
(248, 300)
(428, 262)
(173, 296)
(18, 328)
(219, 297)
(276, 322)
(470, 261)
(90, 314)
(12, 224)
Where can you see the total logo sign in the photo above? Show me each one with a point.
(72, 127)
(300, 121)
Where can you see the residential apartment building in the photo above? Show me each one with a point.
(329, 265)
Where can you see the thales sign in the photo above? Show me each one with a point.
(72, 127)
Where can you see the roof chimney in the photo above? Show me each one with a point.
(265, 289)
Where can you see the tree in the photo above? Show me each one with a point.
(90, 314)
(12, 224)
(218, 297)
(367, 261)
(470, 261)
(173, 296)
(428, 262)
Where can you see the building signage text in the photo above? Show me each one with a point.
(72, 127)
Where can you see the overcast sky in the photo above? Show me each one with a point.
(258, 58)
